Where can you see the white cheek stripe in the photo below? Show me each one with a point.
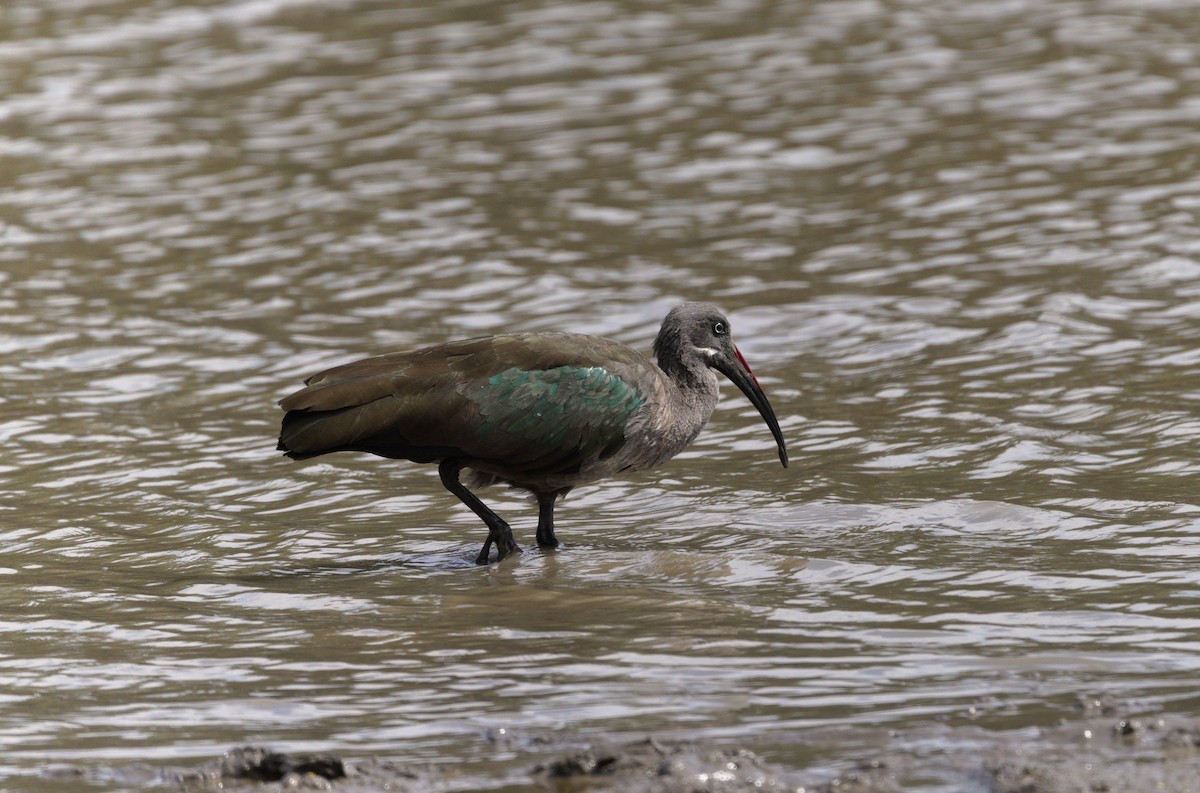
(709, 351)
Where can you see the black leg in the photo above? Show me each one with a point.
(498, 530)
(545, 530)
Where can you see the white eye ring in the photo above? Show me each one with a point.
(719, 329)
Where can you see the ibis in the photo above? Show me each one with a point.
(543, 411)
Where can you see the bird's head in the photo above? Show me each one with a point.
(701, 331)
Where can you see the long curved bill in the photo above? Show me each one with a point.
(740, 374)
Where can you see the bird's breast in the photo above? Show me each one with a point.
(667, 423)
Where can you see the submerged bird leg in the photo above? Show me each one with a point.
(498, 531)
(545, 529)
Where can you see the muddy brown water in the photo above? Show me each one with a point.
(958, 241)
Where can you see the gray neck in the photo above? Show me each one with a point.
(687, 398)
(693, 402)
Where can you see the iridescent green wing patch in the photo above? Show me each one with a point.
(553, 419)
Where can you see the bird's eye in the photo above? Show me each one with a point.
(719, 329)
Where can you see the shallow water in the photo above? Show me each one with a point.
(958, 242)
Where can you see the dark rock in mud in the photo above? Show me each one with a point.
(653, 767)
(262, 765)
(258, 768)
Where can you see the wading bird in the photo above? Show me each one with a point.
(543, 412)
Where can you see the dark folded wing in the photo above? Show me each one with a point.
(534, 403)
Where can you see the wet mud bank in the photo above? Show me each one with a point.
(1100, 750)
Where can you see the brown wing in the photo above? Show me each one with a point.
(535, 402)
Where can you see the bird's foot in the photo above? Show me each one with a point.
(505, 546)
(505, 551)
(502, 554)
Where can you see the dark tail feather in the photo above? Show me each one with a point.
(295, 455)
(288, 433)
(305, 434)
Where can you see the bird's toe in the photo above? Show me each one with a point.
(507, 550)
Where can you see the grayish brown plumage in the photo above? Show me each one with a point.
(539, 411)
